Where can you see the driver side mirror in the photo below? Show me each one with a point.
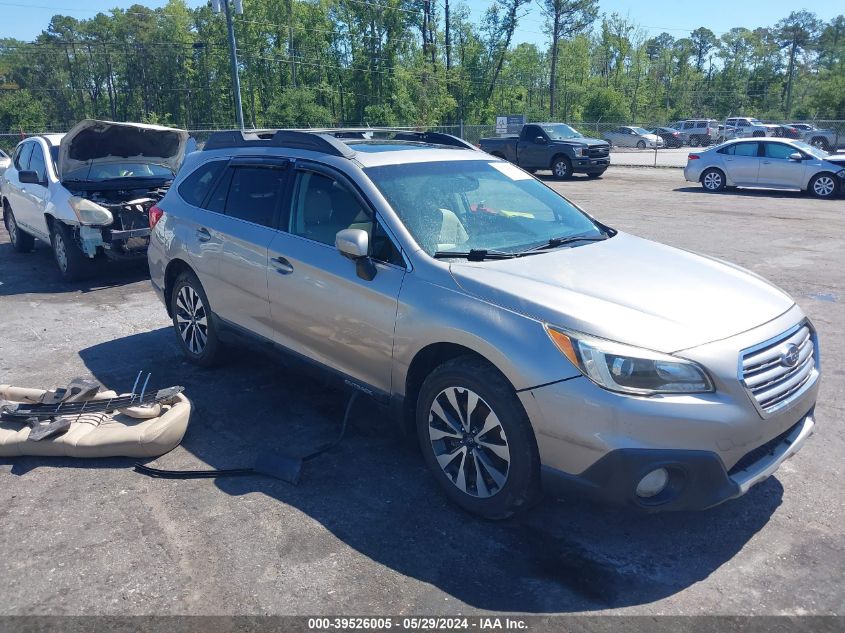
(29, 177)
(539, 140)
(355, 244)
(797, 156)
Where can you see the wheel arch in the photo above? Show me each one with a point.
(425, 361)
(174, 268)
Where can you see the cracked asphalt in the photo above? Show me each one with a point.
(367, 531)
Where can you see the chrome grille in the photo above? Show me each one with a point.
(772, 382)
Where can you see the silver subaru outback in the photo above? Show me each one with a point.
(529, 346)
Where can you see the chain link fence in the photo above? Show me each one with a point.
(829, 134)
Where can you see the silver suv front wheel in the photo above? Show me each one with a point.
(469, 442)
(476, 438)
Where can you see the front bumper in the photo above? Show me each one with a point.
(603, 443)
(590, 165)
(697, 479)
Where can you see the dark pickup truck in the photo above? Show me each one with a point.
(554, 146)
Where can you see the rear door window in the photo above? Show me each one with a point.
(254, 193)
(743, 149)
(196, 187)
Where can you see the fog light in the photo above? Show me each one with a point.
(653, 483)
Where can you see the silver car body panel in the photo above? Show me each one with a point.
(759, 171)
(625, 288)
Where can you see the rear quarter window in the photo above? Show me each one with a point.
(195, 187)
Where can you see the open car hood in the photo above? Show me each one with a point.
(92, 142)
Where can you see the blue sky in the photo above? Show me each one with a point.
(25, 20)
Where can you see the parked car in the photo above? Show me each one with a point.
(744, 127)
(88, 193)
(671, 137)
(554, 146)
(823, 139)
(529, 345)
(632, 136)
(697, 132)
(785, 131)
(769, 163)
(5, 161)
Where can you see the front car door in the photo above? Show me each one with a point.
(15, 189)
(742, 162)
(778, 170)
(533, 154)
(321, 307)
(33, 197)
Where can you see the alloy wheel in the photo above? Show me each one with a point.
(469, 442)
(824, 186)
(192, 320)
(712, 181)
(561, 169)
(12, 227)
(60, 250)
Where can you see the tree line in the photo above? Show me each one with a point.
(412, 62)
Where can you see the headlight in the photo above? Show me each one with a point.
(628, 369)
(581, 151)
(841, 173)
(90, 212)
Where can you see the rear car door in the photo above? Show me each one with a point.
(776, 168)
(231, 237)
(321, 307)
(742, 162)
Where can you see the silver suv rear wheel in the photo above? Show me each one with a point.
(192, 320)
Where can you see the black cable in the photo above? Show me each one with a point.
(239, 472)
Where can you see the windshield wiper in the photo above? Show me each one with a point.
(474, 255)
(562, 241)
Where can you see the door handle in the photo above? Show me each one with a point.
(283, 266)
(767, 162)
(203, 235)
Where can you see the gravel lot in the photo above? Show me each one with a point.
(367, 531)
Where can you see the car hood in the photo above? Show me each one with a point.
(589, 142)
(837, 159)
(92, 142)
(630, 290)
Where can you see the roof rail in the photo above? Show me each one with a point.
(295, 139)
(435, 138)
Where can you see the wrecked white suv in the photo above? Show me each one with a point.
(88, 192)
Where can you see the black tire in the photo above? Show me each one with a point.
(824, 185)
(713, 180)
(21, 242)
(561, 168)
(640, 144)
(73, 264)
(193, 323)
(493, 498)
(821, 143)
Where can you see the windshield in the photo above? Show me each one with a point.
(811, 150)
(110, 171)
(756, 122)
(561, 131)
(477, 205)
(640, 130)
